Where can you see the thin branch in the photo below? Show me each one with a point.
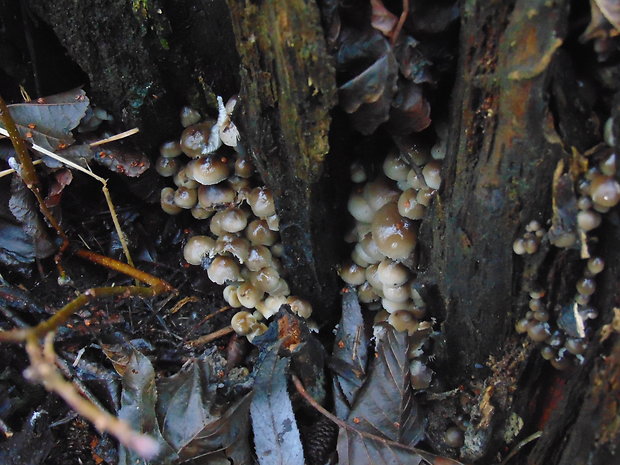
(104, 183)
(42, 369)
(202, 340)
(115, 137)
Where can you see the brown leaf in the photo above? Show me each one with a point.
(381, 18)
(48, 121)
(24, 207)
(410, 110)
(611, 11)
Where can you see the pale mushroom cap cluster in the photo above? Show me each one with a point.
(243, 248)
(562, 331)
(387, 211)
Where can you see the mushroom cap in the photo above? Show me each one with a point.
(394, 167)
(195, 138)
(259, 257)
(351, 273)
(391, 273)
(395, 236)
(223, 269)
(216, 195)
(181, 179)
(432, 174)
(185, 198)
(244, 167)
(170, 149)
(167, 202)
(380, 192)
(409, 207)
(402, 320)
(242, 322)
(359, 208)
(249, 295)
(208, 170)
(299, 306)
(258, 233)
(605, 191)
(232, 220)
(189, 116)
(234, 245)
(167, 167)
(196, 248)
(261, 202)
(271, 305)
(201, 213)
(230, 296)
(266, 279)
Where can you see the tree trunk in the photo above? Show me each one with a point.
(515, 111)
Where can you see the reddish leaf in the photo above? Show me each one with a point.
(117, 158)
(410, 110)
(381, 18)
(62, 178)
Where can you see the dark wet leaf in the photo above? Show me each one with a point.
(48, 121)
(368, 86)
(32, 444)
(381, 18)
(410, 110)
(385, 407)
(432, 17)
(191, 421)
(412, 63)
(350, 353)
(118, 352)
(571, 321)
(368, 72)
(24, 208)
(228, 436)
(138, 400)
(564, 220)
(276, 435)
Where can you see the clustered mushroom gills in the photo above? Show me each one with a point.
(242, 253)
(387, 211)
(562, 331)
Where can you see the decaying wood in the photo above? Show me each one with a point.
(288, 89)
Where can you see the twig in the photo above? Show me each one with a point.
(42, 369)
(30, 174)
(430, 458)
(401, 21)
(30, 177)
(4, 173)
(4, 429)
(115, 137)
(202, 340)
(520, 446)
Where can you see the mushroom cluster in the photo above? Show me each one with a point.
(563, 330)
(387, 213)
(220, 186)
